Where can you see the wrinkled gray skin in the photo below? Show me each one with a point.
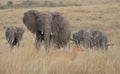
(83, 37)
(61, 29)
(90, 38)
(44, 26)
(14, 35)
(78, 37)
(99, 39)
(48, 26)
(87, 39)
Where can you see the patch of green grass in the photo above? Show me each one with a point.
(2, 7)
(29, 4)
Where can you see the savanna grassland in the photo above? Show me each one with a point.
(27, 60)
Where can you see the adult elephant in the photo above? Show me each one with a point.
(48, 26)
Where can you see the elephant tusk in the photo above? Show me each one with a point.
(51, 33)
(12, 40)
(41, 32)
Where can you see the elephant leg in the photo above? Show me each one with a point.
(104, 46)
(51, 40)
(11, 47)
(18, 41)
(55, 41)
(84, 44)
(37, 44)
(87, 44)
(11, 44)
(38, 41)
(18, 44)
(90, 45)
(98, 44)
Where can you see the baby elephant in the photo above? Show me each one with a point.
(83, 37)
(90, 38)
(14, 35)
(78, 37)
(100, 40)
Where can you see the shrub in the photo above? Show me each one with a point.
(28, 3)
(9, 3)
(61, 3)
(48, 3)
(2, 7)
(77, 4)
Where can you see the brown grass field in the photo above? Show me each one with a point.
(27, 60)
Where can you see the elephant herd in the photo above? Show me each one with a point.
(55, 30)
(90, 38)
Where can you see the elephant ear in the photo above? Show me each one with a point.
(59, 20)
(20, 31)
(29, 20)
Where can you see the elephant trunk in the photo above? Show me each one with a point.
(47, 34)
(47, 40)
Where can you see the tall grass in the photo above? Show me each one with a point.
(28, 61)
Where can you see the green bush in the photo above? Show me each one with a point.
(77, 4)
(48, 4)
(61, 3)
(2, 7)
(10, 3)
(30, 3)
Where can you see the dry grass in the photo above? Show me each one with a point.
(27, 60)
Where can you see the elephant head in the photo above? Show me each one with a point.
(78, 37)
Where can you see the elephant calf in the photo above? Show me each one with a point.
(99, 39)
(90, 38)
(78, 37)
(14, 35)
(83, 37)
